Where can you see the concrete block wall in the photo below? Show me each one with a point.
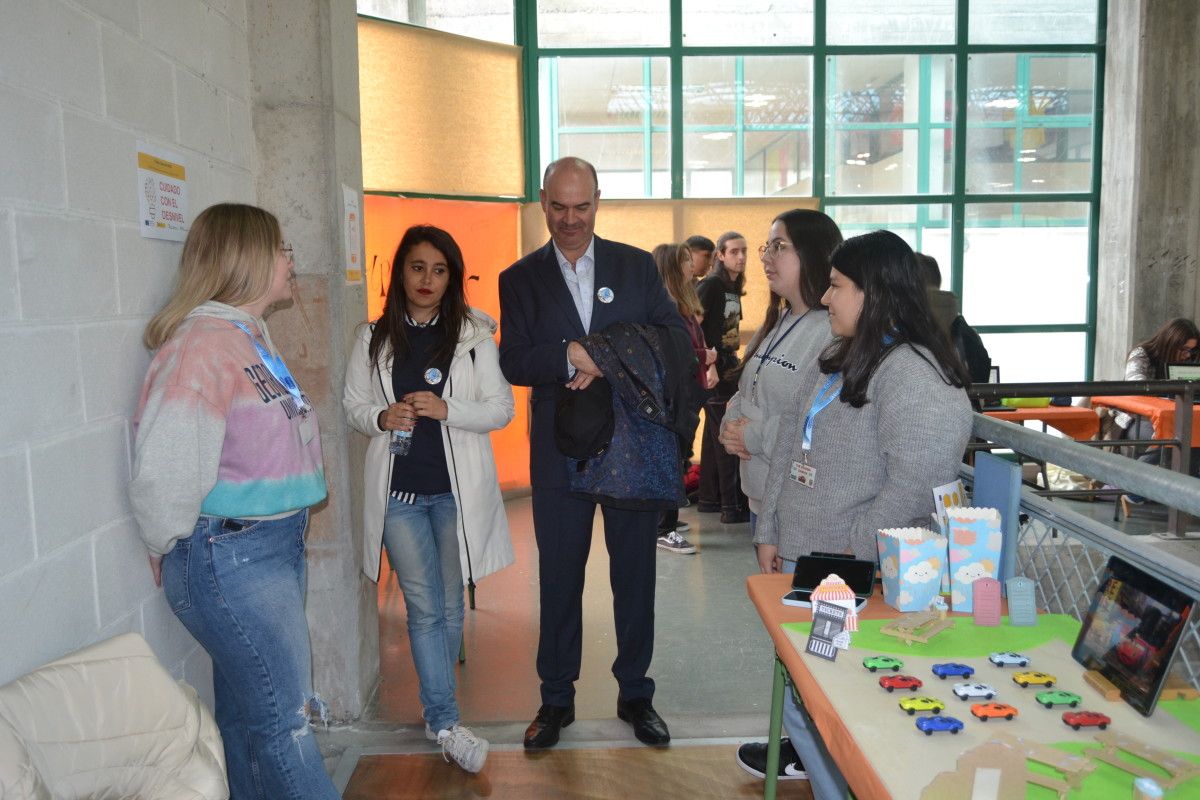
(81, 81)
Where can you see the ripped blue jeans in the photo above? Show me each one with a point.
(238, 587)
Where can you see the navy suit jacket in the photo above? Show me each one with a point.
(538, 319)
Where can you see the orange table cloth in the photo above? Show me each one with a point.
(1159, 410)
(1081, 424)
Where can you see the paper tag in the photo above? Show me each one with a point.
(307, 429)
(803, 474)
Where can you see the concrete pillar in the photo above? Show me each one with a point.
(304, 107)
(1150, 202)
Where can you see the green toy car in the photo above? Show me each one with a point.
(1057, 697)
(883, 662)
(914, 704)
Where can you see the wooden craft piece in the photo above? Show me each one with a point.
(1115, 744)
(920, 626)
(1102, 685)
(1176, 688)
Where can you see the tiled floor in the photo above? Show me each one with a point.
(712, 660)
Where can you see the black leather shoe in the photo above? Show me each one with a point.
(543, 731)
(648, 726)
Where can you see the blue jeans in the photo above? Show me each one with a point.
(238, 587)
(422, 546)
(824, 777)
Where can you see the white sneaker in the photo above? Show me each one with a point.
(429, 734)
(672, 542)
(468, 750)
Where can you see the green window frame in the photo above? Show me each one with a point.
(818, 129)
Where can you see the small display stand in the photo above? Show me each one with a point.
(1102, 685)
(1180, 769)
(917, 627)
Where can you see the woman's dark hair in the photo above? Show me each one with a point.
(719, 267)
(895, 312)
(1164, 346)
(814, 236)
(390, 328)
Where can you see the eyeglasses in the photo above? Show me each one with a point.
(287, 253)
(772, 249)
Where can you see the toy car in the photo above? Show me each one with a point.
(883, 662)
(1009, 659)
(985, 711)
(914, 704)
(1057, 697)
(935, 723)
(1023, 679)
(965, 690)
(1081, 719)
(892, 682)
(944, 671)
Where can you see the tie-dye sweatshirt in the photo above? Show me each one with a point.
(217, 434)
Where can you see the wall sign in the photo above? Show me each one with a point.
(162, 194)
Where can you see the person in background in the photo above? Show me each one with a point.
(673, 262)
(1176, 341)
(576, 284)
(701, 249)
(424, 382)
(945, 308)
(796, 329)
(884, 419)
(227, 462)
(721, 300)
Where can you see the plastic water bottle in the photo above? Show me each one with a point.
(401, 443)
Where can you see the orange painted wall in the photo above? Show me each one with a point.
(487, 234)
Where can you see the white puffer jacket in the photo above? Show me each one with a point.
(478, 400)
(108, 721)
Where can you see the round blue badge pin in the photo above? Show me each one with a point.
(605, 294)
(433, 376)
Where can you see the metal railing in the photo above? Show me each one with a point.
(1065, 552)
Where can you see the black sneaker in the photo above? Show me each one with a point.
(752, 757)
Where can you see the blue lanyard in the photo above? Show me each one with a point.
(775, 342)
(277, 368)
(818, 405)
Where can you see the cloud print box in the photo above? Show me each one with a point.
(975, 543)
(911, 561)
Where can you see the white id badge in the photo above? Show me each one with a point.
(307, 429)
(803, 474)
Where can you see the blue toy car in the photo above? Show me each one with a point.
(939, 723)
(944, 671)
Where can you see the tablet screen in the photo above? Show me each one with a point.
(859, 575)
(1131, 632)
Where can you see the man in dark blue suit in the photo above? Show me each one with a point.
(578, 284)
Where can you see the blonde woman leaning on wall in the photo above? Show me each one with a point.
(227, 463)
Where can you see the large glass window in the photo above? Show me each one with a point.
(889, 124)
(887, 22)
(614, 112)
(747, 23)
(747, 125)
(1029, 122)
(1032, 22)
(602, 23)
(480, 19)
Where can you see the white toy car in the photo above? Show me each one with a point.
(1009, 659)
(966, 691)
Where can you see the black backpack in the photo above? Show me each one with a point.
(970, 349)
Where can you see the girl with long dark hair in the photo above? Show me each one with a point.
(424, 383)
(884, 420)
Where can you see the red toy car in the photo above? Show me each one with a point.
(892, 682)
(1080, 719)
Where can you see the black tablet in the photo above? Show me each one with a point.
(1131, 632)
(810, 570)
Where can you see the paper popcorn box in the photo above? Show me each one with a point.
(945, 497)
(975, 542)
(911, 561)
